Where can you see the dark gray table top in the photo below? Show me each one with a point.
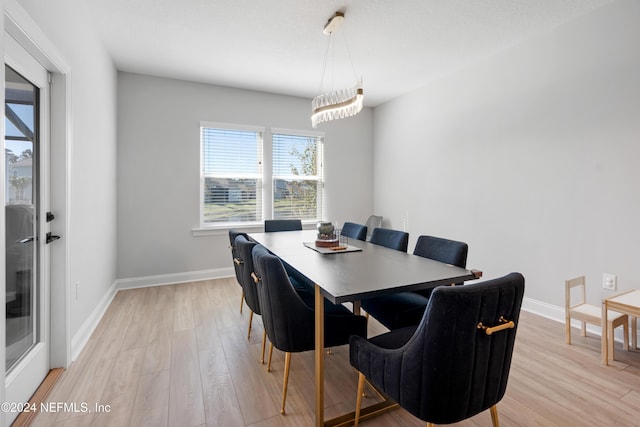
(351, 276)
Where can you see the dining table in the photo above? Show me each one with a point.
(348, 273)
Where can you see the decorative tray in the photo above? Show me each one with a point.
(337, 249)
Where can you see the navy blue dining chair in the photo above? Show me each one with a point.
(272, 225)
(355, 231)
(440, 249)
(289, 321)
(393, 239)
(244, 247)
(406, 308)
(455, 363)
(303, 285)
(234, 258)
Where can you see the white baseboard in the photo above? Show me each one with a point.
(543, 309)
(170, 279)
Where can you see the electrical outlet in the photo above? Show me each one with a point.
(609, 281)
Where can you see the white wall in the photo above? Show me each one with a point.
(158, 168)
(530, 156)
(92, 213)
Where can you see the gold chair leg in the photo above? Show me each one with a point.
(494, 416)
(264, 343)
(359, 397)
(270, 354)
(285, 382)
(250, 321)
(241, 300)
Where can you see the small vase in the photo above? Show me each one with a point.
(325, 228)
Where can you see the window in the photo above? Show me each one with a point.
(231, 174)
(297, 176)
(235, 188)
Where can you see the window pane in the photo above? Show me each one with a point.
(230, 200)
(294, 155)
(230, 152)
(295, 199)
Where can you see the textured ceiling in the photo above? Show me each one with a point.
(278, 45)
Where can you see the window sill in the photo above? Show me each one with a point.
(223, 230)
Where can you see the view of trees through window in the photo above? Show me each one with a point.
(296, 183)
(19, 183)
(19, 130)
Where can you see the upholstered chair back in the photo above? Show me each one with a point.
(244, 247)
(451, 367)
(394, 239)
(271, 225)
(234, 253)
(443, 250)
(355, 231)
(288, 320)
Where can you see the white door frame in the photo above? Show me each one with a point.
(21, 27)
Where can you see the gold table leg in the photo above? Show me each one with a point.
(346, 419)
(356, 307)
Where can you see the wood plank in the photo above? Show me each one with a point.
(158, 348)
(116, 403)
(139, 328)
(186, 407)
(183, 305)
(151, 408)
(221, 401)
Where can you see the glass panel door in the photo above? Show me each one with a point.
(21, 206)
(26, 197)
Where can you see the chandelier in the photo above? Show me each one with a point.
(340, 103)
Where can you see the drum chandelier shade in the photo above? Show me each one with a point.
(340, 103)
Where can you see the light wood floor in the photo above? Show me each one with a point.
(179, 356)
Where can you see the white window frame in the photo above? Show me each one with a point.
(266, 196)
(203, 175)
(320, 208)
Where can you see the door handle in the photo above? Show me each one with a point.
(26, 240)
(51, 238)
